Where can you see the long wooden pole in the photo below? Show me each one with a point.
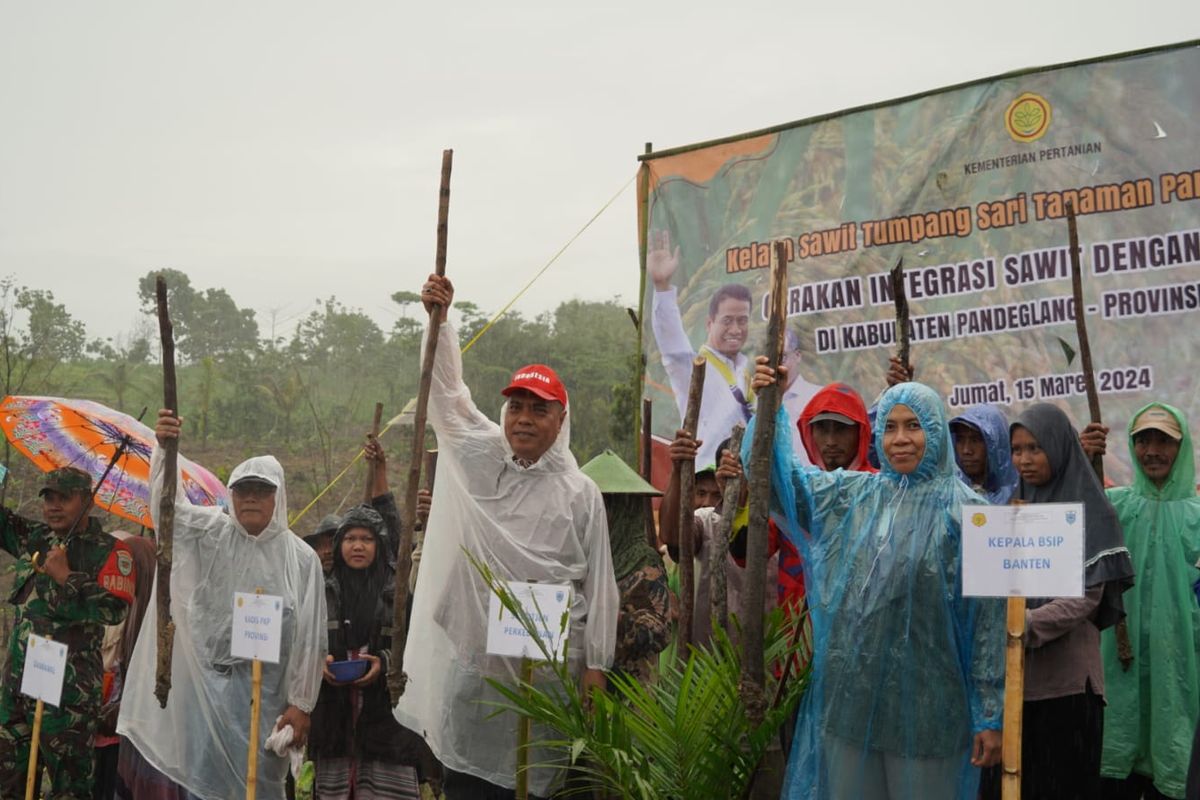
(524, 733)
(647, 465)
(255, 711)
(685, 472)
(718, 590)
(370, 490)
(1085, 348)
(165, 534)
(1124, 646)
(1014, 700)
(752, 683)
(397, 678)
(31, 771)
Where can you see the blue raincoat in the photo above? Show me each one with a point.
(906, 670)
(1002, 477)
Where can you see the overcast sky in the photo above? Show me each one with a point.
(289, 151)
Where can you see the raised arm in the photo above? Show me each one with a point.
(190, 520)
(382, 499)
(662, 261)
(452, 412)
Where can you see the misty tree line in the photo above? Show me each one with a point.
(306, 395)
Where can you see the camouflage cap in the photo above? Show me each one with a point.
(67, 480)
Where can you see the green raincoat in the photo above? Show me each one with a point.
(1153, 707)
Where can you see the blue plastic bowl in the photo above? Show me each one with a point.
(346, 671)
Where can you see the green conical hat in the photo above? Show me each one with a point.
(614, 476)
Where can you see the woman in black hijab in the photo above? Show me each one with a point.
(359, 749)
(1064, 680)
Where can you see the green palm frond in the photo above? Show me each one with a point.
(684, 737)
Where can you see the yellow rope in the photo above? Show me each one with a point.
(336, 478)
(475, 338)
(553, 258)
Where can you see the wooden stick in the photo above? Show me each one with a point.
(647, 467)
(1085, 348)
(164, 536)
(31, 772)
(900, 298)
(524, 733)
(686, 481)
(1014, 699)
(370, 491)
(396, 676)
(1124, 646)
(717, 589)
(255, 710)
(752, 683)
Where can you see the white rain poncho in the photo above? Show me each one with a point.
(905, 670)
(200, 739)
(545, 523)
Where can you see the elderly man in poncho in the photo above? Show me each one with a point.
(200, 740)
(513, 497)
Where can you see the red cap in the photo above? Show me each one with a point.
(539, 379)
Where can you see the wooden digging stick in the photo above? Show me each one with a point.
(900, 298)
(31, 772)
(164, 535)
(255, 711)
(524, 734)
(751, 687)
(685, 472)
(1124, 646)
(718, 591)
(647, 466)
(1014, 700)
(371, 464)
(396, 677)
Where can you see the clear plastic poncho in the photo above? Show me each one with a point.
(200, 740)
(545, 523)
(906, 670)
(1153, 707)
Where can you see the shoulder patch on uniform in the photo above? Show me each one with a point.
(118, 576)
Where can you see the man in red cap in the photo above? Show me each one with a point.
(512, 497)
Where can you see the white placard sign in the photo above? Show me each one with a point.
(1032, 550)
(546, 604)
(45, 668)
(257, 626)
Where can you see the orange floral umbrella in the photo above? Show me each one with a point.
(54, 432)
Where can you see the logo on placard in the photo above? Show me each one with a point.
(978, 519)
(1028, 117)
(1071, 517)
(124, 562)
(558, 596)
(239, 602)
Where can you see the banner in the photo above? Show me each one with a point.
(969, 185)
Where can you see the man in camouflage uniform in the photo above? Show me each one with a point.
(84, 580)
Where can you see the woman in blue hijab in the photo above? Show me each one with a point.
(907, 685)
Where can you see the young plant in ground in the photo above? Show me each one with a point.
(684, 737)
